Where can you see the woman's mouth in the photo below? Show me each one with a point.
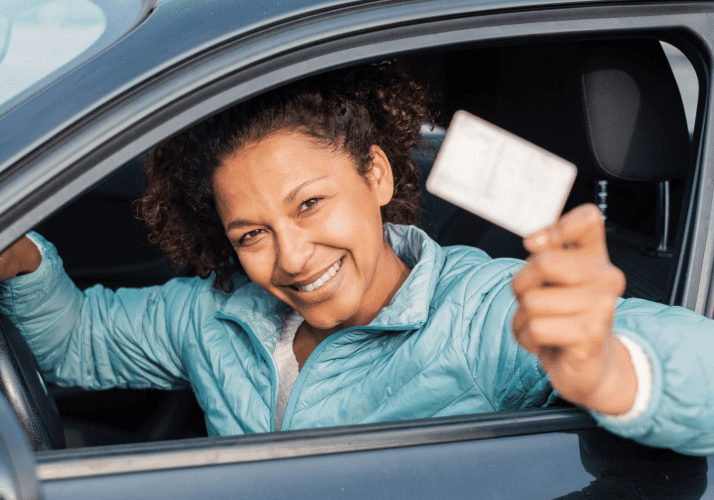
(329, 274)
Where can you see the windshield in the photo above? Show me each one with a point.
(39, 36)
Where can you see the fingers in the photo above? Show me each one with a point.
(559, 317)
(548, 333)
(558, 301)
(568, 268)
(581, 228)
(570, 252)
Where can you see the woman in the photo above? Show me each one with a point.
(316, 305)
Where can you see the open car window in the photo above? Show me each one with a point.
(644, 215)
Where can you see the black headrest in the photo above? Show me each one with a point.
(611, 107)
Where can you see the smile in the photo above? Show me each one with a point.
(322, 279)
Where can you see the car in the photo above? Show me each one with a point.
(620, 88)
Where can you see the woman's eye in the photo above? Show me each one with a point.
(248, 238)
(308, 204)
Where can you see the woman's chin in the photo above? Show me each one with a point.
(323, 323)
(330, 314)
(325, 320)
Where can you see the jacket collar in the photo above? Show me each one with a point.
(265, 315)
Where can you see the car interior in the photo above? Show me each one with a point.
(614, 108)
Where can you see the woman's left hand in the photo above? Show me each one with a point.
(567, 293)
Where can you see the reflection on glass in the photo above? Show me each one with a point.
(5, 28)
(687, 81)
(44, 35)
(626, 470)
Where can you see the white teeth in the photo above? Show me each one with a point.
(322, 279)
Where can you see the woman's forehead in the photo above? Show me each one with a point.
(281, 157)
(274, 169)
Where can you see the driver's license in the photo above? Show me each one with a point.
(500, 176)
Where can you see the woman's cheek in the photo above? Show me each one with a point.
(335, 225)
(256, 266)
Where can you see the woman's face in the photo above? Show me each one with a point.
(307, 227)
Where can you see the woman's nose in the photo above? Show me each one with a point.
(293, 249)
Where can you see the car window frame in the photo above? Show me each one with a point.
(57, 465)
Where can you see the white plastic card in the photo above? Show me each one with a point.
(499, 176)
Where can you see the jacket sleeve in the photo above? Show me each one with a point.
(679, 345)
(99, 338)
(508, 375)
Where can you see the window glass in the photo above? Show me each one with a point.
(4, 35)
(686, 81)
(37, 37)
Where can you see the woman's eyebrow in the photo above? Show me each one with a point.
(286, 201)
(292, 194)
(239, 223)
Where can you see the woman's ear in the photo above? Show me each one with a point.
(380, 176)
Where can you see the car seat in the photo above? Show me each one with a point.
(613, 109)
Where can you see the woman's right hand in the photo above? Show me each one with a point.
(22, 257)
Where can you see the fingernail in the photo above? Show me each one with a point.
(541, 239)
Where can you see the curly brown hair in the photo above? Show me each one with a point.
(350, 110)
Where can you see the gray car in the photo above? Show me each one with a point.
(87, 87)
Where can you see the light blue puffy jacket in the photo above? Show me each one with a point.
(442, 347)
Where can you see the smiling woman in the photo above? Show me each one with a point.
(319, 304)
(321, 249)
(348, 115)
